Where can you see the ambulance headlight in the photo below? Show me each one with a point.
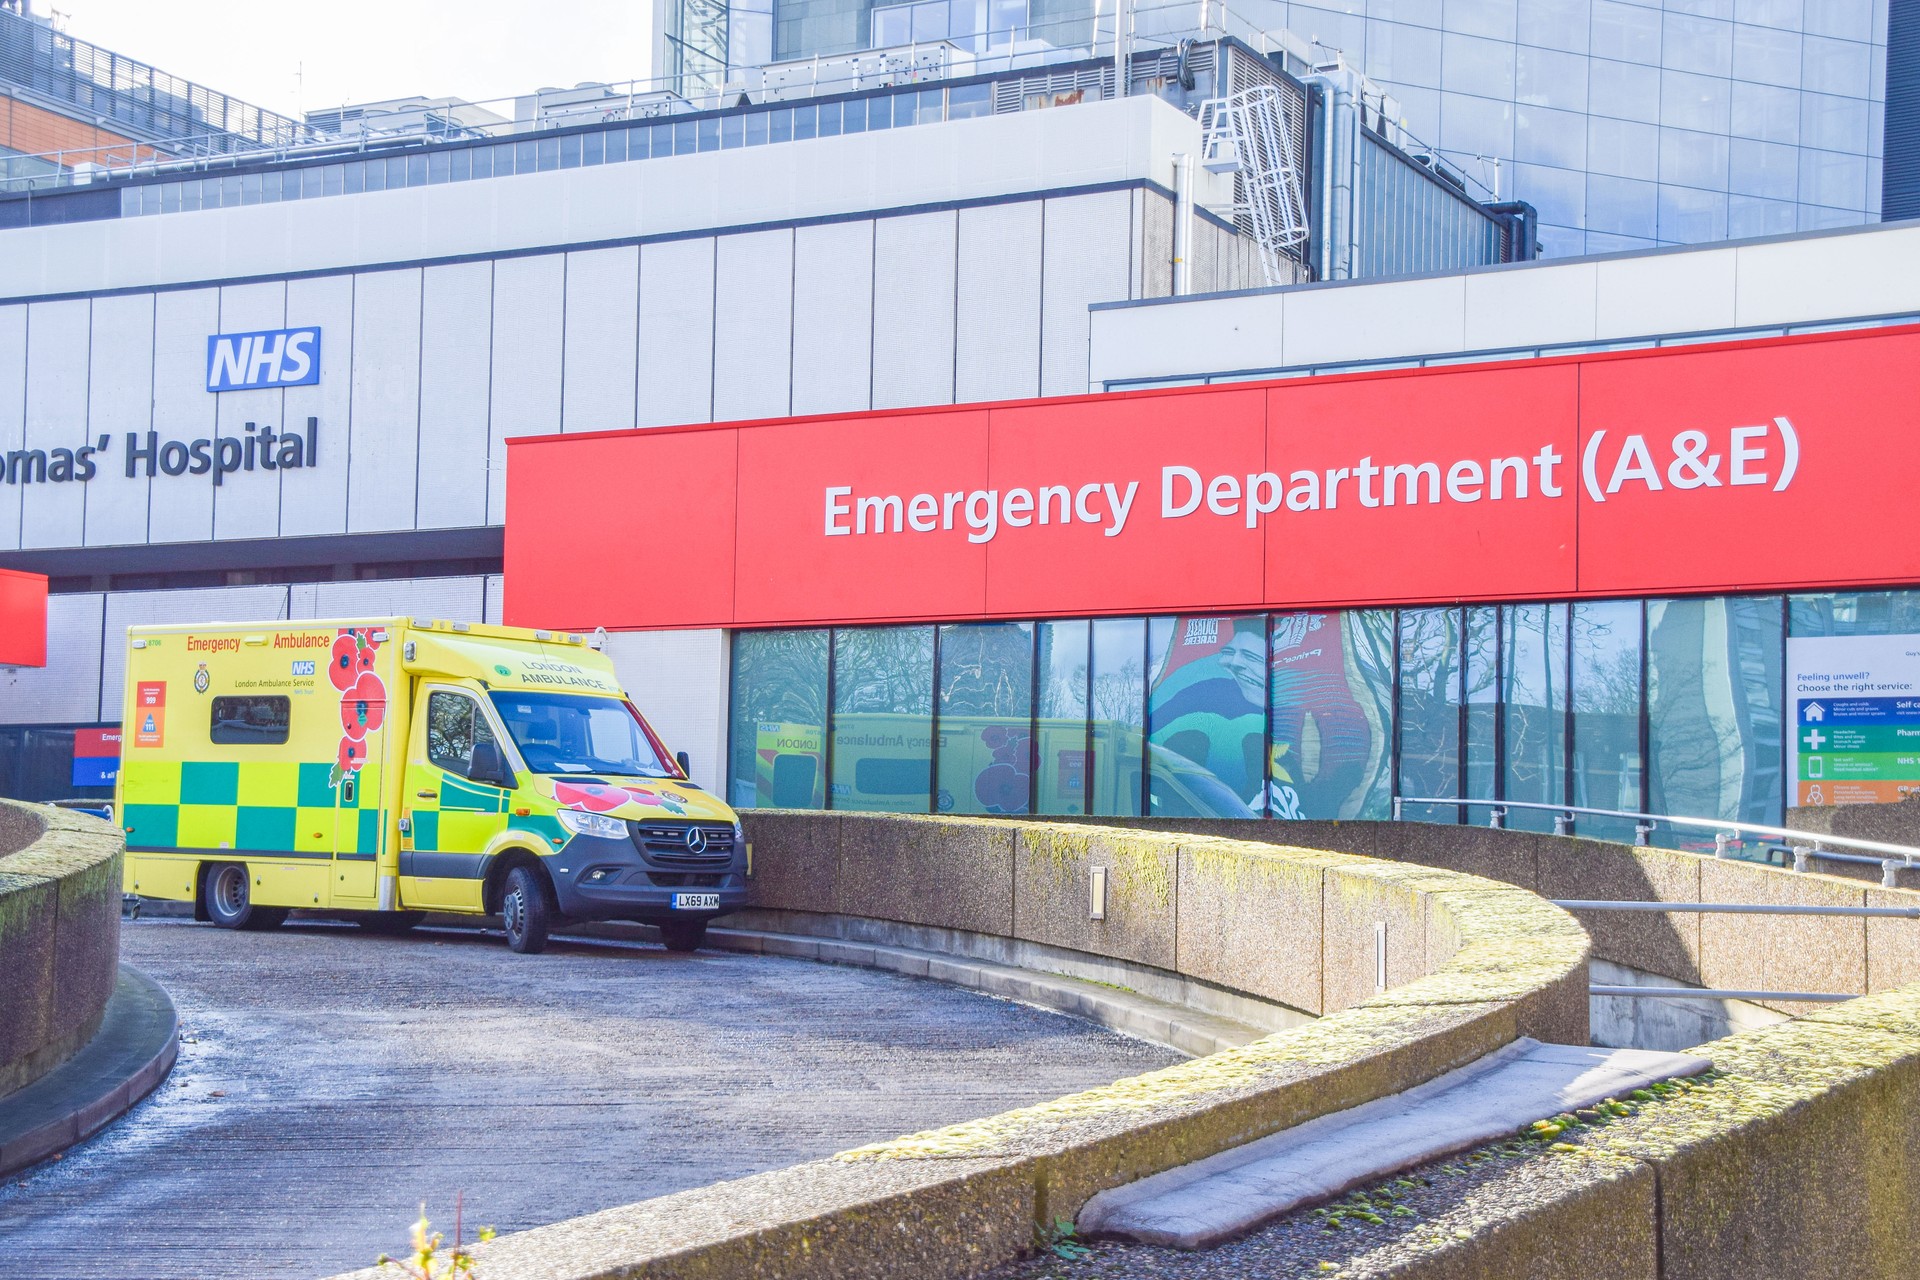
(582, 823)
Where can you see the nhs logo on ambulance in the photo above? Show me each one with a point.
(275, 358)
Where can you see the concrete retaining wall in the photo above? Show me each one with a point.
(1470, 965)
(59, 935)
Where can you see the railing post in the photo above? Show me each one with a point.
(1800, 853)
(1563, 824)
(1889, 873)
(1642, 834)
(1396, 809)
(1720, 842)
(1497, 818)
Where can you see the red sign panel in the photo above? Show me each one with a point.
(23, 619)
(1722, 468)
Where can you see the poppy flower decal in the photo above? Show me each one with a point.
(363, 697)
(602, 797)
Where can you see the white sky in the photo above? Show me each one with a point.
(365, 50)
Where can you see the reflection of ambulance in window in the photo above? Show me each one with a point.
(390, 767)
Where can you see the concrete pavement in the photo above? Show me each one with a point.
(330, 1081)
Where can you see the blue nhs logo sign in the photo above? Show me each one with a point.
(275, 358)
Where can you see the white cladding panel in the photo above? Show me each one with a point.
(833, 317)
(313, 499)
(456, 355)
(119, 403)
(678, 679)
(181, 509)
(490, 605)
(58, 335)
(913, 280)
(529, 312)
(67, 689)
(13, 404)
(997, 339)
(1086, 262)
(210, 604)
(603, 302)
(676, 332)
(246, 504)
(386, 401)
(452, 599)
(753, 326)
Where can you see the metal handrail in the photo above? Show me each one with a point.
(1736, 908)
(1805, 844)
(1722, 993)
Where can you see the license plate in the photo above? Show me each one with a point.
(696, 902)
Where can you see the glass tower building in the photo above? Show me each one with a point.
(1626, 123)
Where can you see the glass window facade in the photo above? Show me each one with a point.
(1665, 705)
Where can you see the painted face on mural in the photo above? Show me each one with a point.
(1244, 657)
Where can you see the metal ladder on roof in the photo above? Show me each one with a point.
(1246, 134)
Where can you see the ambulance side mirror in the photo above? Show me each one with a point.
(686, 765)
(487, 766)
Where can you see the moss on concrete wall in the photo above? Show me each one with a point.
(59, 935)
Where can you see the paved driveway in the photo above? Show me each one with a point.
(330, 1081)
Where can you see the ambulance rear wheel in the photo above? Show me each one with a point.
(683, 935)
(526, 911)
(229, 900)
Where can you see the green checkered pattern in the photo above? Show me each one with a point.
(253, 806)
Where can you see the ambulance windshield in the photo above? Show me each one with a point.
(567, 733)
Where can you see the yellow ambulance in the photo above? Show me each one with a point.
(389, 767)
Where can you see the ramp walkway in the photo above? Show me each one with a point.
(1213, 1200)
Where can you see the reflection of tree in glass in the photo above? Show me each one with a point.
(1712, 702)
(884, 669)
(1119, 695)
(986, 669)
(780, 677)
(449, 730)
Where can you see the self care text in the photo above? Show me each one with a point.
(1689, 463)
(257, 447)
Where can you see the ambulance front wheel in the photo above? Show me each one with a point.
(526, 911)
(228, 892)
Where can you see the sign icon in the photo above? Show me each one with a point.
(1812, 712)
(1813, 739)
(201, 679)
(272, 358)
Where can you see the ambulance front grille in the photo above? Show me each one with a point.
(666, 843)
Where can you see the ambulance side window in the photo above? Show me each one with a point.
(454, 724)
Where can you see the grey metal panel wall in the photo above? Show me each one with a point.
(67, 689)
(1086, 262)
(13, 404)
(211, 604)
(1900, 134)
(385, 464)
(997, 339)
(913, 282)
(676, 332)
(529, 303)
(314, 500)
(247, 504)
(753, 325)
(456, 366)
(490, 604)
(1405, 222)
(1156, 238)
(119, 403)
(58, 334)
(182, 509)
(603, 300)
(833, 317)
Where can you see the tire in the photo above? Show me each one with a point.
(682, 935)
(228, 895)
(390, 923)
(526, 910)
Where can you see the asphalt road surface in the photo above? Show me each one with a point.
(331, 1081)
